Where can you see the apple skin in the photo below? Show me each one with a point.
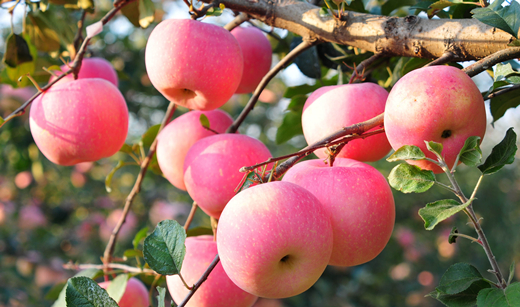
(79, 121)
(197, 65)
(179, 135)
(331, 108)
(218, 290)
(359, 202)
(430, 101)
(91, 68)
(211, 168)
(274, 239)
(136, 294)
(257, 54)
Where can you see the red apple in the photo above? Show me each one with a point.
(179, 135)
(274, 239)
(218, 290)
(257, 53)
(91, 68)
(331, 108)
(136, 294)
(359, 202)
(79, 121)
(437, 103)
(197, 65)
(211, 168)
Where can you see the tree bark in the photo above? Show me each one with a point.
(466, 39)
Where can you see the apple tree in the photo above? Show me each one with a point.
(104, 106)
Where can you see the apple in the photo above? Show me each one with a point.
(196, 65)
(174, 141)
(359, 202)
(211, 168)
(437, 103)
(274, 239)
(79, 121)
(257, 54)
(331, 108)
(135, 295)
(91, 68)
(218, 290)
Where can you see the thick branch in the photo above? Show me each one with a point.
(466, 39)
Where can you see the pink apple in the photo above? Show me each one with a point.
(135, 295)
(179, 135)
(274, 239)
(211, 168)
(257, 53)
(359, 202)
(79, 121)
(438, 103)
(218, 290)
(91, 68)
(331, 108)
(197, 65)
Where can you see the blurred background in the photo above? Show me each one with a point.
(50, 215)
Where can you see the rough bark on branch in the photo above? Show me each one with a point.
(466, 39)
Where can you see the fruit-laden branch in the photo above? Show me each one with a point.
(203, 278)
(466, 39)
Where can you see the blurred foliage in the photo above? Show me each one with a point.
(50, 215)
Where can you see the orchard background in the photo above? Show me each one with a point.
(52, 215)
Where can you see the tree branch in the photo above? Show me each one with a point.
(239, 19)
(201, 280)
(119, 266)
(411, 36)
(489, 61)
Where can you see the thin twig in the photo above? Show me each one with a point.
(254, 98)
(79, 34)
(239, 19)
(109, 250)
(358, 73)
(502, 91)
(119, 266)
(201, 280)
(194, 207)
(445, 58)
(489, 61)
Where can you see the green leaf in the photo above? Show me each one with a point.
(117, 287)
(407, 152)
(307, 61)
(500, 298)
(434, 147)
(140, 235)
(470, 154)
(91, 273)
(84, 292)
(458, 278)
(164, 249)
(47, 33)
(502, 71)
(126, 149)
(199, 231)
(216, 11)
(292, 122)
(503, 153)
(466, 298)
(304, 89)
(2, 121)
(501, 103)
(16, 51)
(506, 18)
(154, 165)
(438, 211)
(149, 136)
(251, 179)
(108, 179)
(129, 253)
(453, 238)
(410, 178)
(204, 121)
(131, 12)
(439, 5)
(146, 13)
(161, 297)
(511, 272)
(54, 292)
(392, 5)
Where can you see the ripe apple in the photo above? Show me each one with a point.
(79, 121)
(179, 135)
(211, 168)
(331, 108)
(136, 294)
(257, 53)
(91, 68)
(359, 202)
(274, 239)
(437, 103)
(218, 290)
(197, 65)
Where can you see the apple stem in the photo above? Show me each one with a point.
(201, 280)
(184, 282)
(359, 71)
(467, 237)
(446, 57)
(194, 207)
(239, 19)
